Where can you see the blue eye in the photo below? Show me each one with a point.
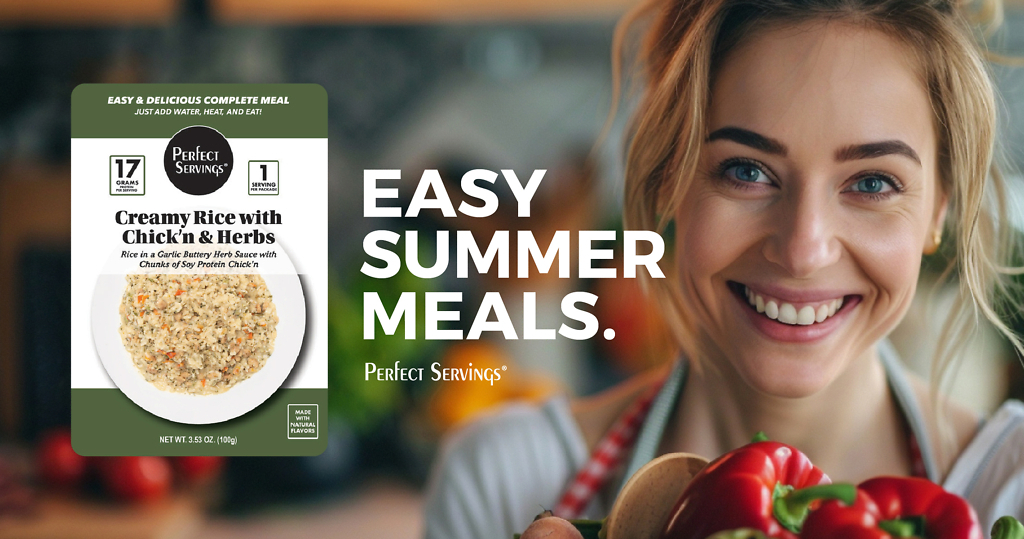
(872, 185)
(746, 173)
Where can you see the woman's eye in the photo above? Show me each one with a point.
(872, 185)
(747, 173)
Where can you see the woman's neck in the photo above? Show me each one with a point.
(852, 429)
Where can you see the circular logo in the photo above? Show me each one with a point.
(198, 160)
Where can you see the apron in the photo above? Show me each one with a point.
(640, 428)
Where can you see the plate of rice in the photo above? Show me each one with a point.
(198, 348)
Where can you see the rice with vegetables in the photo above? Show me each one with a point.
(198, 334)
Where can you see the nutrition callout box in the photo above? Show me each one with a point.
(199, 269)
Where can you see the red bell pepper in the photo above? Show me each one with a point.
(895, 507)
(764, 486)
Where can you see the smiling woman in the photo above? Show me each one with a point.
(808, 154)
(835, 203)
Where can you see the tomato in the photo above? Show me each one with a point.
(57, 462)
(198, 469)
(137, 479)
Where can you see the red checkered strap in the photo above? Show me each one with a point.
(917, 467)
(607, 456)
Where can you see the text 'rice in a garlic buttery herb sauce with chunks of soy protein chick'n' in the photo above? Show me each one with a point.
(198, 334)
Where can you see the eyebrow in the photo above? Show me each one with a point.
(877, 149)
(848, 153)
(749, 138)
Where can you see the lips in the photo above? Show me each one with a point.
(789, 315)
(792, 313)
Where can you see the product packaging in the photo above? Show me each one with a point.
(199, 269)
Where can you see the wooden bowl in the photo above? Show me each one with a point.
(645, 503)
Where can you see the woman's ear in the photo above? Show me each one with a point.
(934, 236)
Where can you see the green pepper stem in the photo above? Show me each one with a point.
(791, 506)
(897, 527)
(1007, 528)
(759, 437)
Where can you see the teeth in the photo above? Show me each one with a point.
(787, 313)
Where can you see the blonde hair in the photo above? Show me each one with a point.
(687, 40)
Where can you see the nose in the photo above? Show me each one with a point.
(804, 236)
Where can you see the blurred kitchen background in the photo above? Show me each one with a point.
(452, 85)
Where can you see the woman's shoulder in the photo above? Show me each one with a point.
(574, 425)
(517, 425)
(595, 414)
(493, 473)
(990, 470)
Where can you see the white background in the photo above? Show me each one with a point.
(95, 235)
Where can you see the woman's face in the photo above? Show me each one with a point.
(800, 240)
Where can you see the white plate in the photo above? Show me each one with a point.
(199, 409)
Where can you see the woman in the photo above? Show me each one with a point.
(808, 153)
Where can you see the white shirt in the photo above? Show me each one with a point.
(990, 471)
